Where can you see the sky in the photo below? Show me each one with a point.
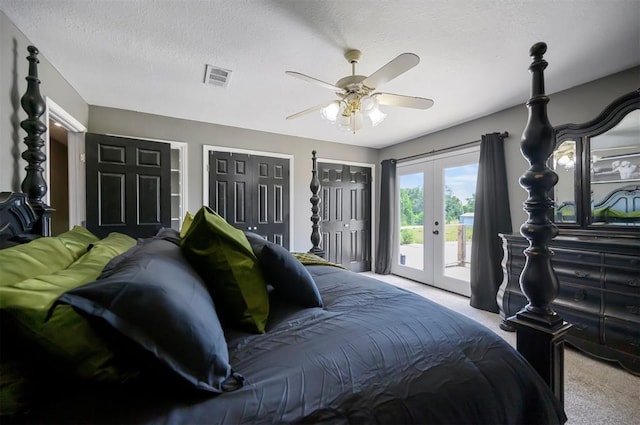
(461, 180)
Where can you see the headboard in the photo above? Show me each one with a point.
(17, 218)
(620, 206)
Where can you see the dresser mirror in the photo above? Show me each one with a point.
(614, 167)
(598, 167)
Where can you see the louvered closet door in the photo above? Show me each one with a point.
(252, 193)
(128, 185)
(345, 210)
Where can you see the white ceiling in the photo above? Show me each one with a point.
(150, 55)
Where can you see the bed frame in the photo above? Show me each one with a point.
(540, 331)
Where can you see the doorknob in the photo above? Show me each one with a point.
(435, 232)
(346, 225)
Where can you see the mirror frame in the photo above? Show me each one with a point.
(611, 116)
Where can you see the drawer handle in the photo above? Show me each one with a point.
(579, 327)
(634, 309)
(581, 274)
(635, 282)
(580, 295)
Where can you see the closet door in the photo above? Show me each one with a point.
(128, 185)
(345, 209)
(252, 193)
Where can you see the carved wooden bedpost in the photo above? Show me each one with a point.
(540, 330)
(34, 184)
(315, 200)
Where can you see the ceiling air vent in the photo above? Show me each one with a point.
(217, 76)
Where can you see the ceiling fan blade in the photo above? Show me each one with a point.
(397, 66)
(313, 80)
(404, 101)
(307, 111)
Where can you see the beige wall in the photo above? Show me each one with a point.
(13, 70)
(196, 134)
(575, 105)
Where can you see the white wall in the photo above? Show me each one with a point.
(122, 122)
(575, 105)
(14, 67)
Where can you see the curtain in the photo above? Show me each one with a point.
(491, 216)
(388, 217)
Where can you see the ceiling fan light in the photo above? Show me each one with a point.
(368, 104)
(376, 116)
(330, 112)
(343, 122)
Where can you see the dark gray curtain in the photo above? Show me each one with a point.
(491, 216)
(387, 218)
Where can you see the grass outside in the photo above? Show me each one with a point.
(415, 234)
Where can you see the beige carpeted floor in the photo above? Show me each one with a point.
(596, 392)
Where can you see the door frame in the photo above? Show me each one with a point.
(436, 180)
(372, 215)
(75, 155)
(205, 176)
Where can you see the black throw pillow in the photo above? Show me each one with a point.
(289, 278)
(158, 301)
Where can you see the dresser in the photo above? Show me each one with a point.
(599, 293)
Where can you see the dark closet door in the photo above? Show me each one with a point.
(128, 185)
(346, 214)
(252, 193)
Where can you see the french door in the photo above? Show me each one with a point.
(436, 200)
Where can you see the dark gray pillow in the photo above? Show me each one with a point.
(157, 300)
(289, 278)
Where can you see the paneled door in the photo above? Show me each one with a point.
(252, 193)
(128, 185)
(436, 201)
(345, 211)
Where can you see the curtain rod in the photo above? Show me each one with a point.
(425, 154)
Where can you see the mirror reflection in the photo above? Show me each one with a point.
(615, 174)
(564, 161)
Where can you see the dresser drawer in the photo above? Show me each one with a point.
(626, 307)
(573, 256)
(585, 325)
(622, 335)
(622, 281)
(580, 274)
(632, 262)
(582, 298)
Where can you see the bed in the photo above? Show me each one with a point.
(97, 331)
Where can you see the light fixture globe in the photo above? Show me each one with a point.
(330, 112)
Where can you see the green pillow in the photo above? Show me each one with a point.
(223, 257)
(66, 336)
(44, 255)
(186, 223)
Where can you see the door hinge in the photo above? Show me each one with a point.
(83, 157)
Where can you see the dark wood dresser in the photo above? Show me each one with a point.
(599, 292)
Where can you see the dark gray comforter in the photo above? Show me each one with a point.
(373, 354)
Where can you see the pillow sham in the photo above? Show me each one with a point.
(43, 255)
(158, 301)
(285, 273)
(221, 254)
(66, 339)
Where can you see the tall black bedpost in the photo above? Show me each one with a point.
(315, 200)
(540, 330)
(34, 184)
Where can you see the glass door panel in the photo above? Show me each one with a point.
(411, 252)
(436, 201)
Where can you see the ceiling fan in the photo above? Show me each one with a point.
(356, 97)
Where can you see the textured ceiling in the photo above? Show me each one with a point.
(150, 55)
